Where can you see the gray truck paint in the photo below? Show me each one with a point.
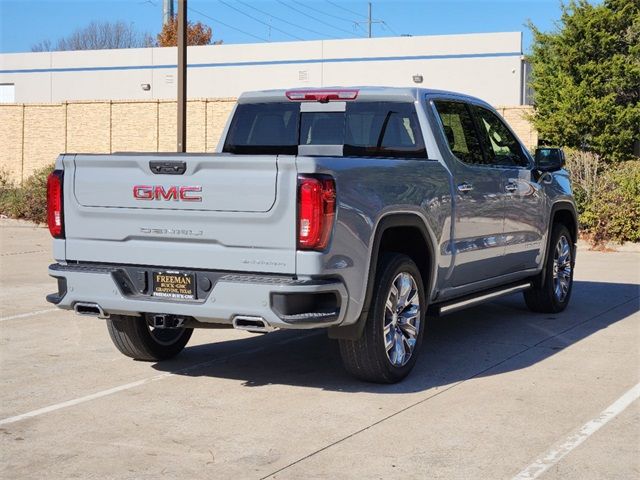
(478, 240)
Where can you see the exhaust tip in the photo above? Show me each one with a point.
(90, 310)
(252, 324)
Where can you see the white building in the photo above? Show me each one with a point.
(489, 66)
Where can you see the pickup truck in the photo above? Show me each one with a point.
(364, 211)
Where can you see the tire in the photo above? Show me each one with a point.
(368, 358)
(552, 295)
(134, 338)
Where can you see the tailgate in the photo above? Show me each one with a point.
(225, 212)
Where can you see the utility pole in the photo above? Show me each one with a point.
(370, 21)
(167, 11)
(182, 76)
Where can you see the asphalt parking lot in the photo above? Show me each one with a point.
(497, 393)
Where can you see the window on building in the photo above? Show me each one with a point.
(7, 93)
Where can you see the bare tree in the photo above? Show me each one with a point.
(99, 36)
(43, 46)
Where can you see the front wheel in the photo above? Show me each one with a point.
(135, 338)
(552, 295)
(394, 328)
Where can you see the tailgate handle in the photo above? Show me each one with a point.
(167, 168)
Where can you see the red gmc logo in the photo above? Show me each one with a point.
(174, 192)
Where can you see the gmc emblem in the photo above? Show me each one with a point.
(174, 192)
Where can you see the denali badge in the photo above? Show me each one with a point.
(174, 192)
(172, 231)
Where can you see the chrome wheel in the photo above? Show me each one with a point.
(401, 319)
(562, 269)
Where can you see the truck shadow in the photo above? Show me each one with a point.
(490, 339)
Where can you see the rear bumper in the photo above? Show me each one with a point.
(283, 302)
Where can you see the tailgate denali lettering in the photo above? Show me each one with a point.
(172, 231)
(174, 192)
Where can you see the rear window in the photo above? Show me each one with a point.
(264, 128)
(369, 129)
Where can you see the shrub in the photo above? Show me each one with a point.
(29, 201)
(584, 168)
(613, 210)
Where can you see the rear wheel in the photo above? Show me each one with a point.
(552, 295)
(392, 337)
(135, 338)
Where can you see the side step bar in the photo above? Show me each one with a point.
(481, 297)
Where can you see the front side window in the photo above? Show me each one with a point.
(460, 131)
(501, 146)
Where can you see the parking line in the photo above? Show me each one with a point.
(144, 381)
(31, 314)
(560, 450)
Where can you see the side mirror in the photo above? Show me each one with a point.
(549, 159)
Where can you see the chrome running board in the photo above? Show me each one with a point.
(470, 301)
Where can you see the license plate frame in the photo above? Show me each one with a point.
(173, 285)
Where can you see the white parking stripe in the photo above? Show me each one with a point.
(128, 386)
(76, 401)
(560, 450)
(31, 314)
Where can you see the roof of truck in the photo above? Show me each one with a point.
(364, 93)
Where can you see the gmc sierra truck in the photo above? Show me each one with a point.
(359, 210)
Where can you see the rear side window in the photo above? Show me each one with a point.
(460, 131)
(264, 128)
(371, 129)
(383, 129)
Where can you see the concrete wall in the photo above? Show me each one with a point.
(33, 135)
(485, 65)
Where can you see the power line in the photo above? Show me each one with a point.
(227, 25)
(259, 21)
(369, 20)
(390, 29)
(283, 20)
(317, 10)
(346, 9)
(316, 19)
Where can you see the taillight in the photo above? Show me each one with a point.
(316, 210)
(55, 214)
(321, 96)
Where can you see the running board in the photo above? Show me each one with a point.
(481, 297)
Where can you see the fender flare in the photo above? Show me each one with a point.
(393, 220)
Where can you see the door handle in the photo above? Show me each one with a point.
(511, 187)
(465, 187)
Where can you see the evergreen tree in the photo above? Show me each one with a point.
(586, 78)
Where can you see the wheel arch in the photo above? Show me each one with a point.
(565, 214)
(388, 232)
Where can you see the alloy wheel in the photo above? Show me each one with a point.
(562, 269)
(401, 319)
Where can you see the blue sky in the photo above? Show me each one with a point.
(25, 22)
